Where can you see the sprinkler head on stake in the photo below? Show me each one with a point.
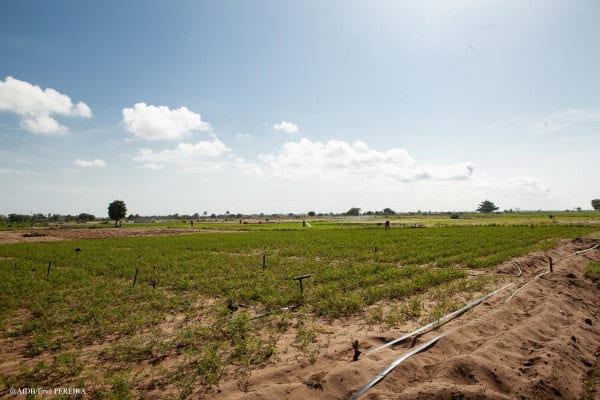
(299, 278)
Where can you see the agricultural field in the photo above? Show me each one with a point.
(176, 316)
(292, 223)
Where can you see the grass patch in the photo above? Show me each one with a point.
(593, 271)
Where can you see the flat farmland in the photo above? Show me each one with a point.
(210, 308)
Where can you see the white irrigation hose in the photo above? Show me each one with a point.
(591, 248)
(525, 285)
(440, 321)
(519, 268)
(394, 364)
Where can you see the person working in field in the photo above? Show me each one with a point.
(387, 225)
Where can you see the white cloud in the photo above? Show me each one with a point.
(247, 168)
(198, 158)
(335, 159)
(287, 127)
(37, 107)
(89, 163)
(158, 123)
(184, 152)
(242, 135)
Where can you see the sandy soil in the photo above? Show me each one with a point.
(542, 344)
(539, 345)
(76, 234)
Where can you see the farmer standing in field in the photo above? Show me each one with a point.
(387, 225)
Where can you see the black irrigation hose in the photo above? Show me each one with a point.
(394, 364)
(288, 308)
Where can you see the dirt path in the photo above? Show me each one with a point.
(538, 345)
(49, 235)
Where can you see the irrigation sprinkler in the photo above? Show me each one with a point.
(135, 277)
(49, 265)
(300, 278)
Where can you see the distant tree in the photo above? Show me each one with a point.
(354, 211)
(117, 210)
(311, 213)
(86, 217)
(578, 209)
(596, 204)
(486, 207)
(19, 219)
(389, 211)
(39, 217)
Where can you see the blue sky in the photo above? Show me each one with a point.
(297, 105)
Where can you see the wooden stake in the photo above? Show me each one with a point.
(135, 277)
(264, 261)
(49, 264)
(551, 266)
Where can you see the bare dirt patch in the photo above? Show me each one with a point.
(79, 234)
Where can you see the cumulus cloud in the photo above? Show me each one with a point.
(161, 123)
(184, 152)
(341, 159)
(287, 127)
(37, 107)
(89, 163)
(201, 157)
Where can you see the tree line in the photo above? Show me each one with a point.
(117, 211)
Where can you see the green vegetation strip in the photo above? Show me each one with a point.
(593, 271)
